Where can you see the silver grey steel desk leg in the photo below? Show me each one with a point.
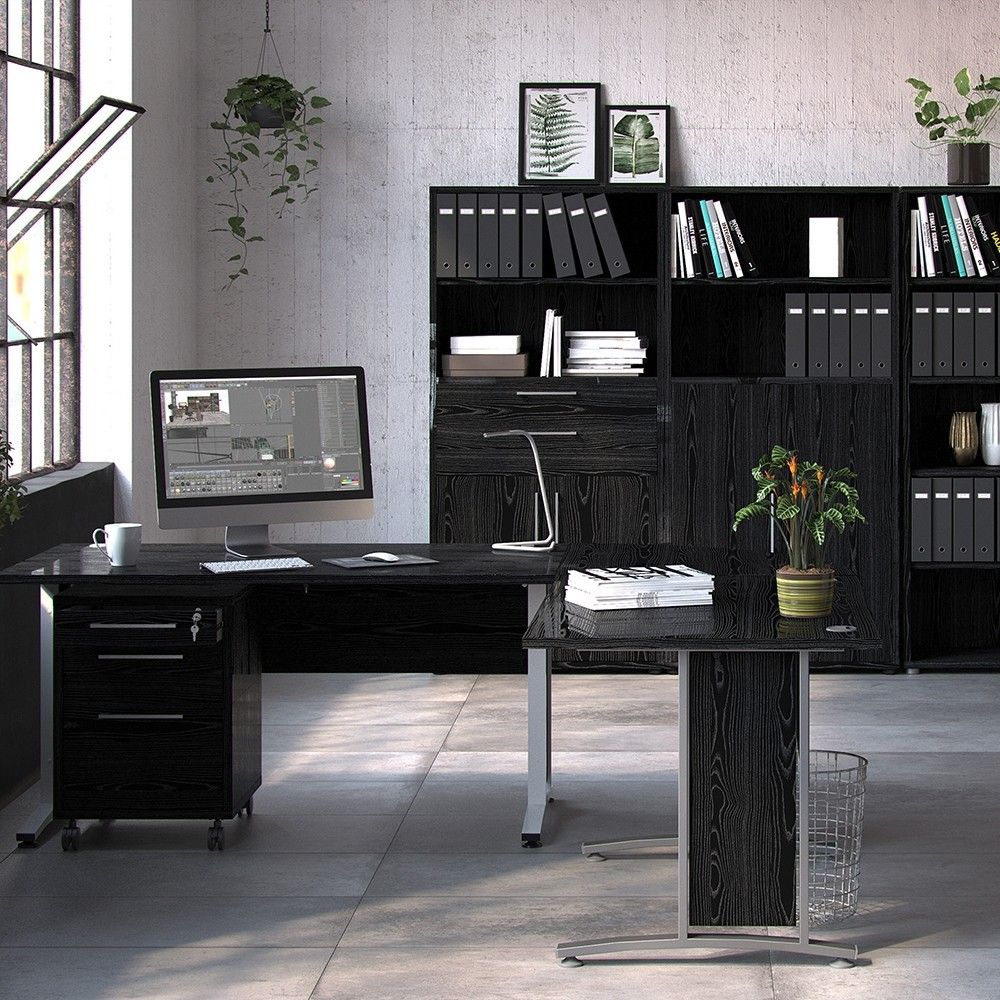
(36, 824)
(539, 731)
(844, 955)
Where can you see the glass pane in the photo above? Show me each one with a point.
(25, 118)
(39, 405)
(15, 428)
(26, 283)
(14, 28)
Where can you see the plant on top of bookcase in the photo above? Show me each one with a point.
(805, 501)
(961, 130)
(10, 493)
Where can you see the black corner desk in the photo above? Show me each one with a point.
(743, 687)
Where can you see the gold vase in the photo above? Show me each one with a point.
(964, 437)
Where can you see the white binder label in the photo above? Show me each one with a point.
(446, 211)
(795, 311)
(984, 309)
(862, 311)
(941, 496)
(839, 312)
(963, 309)
(963, 496)
(466, 211)
(941, 309)
(983, 496)
(555, 211)
(531, 211)
(576, 211)
(881, 312)
(488, 211)
(819, 312)
(508, 211)
(922, 309)
(921, 496)
(600, 212)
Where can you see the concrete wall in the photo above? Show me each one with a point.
(425, 92)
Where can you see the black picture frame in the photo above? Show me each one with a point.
(609, 160)
(525, 175)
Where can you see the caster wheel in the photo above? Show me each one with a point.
(531, 842)
(596, 857)
(249, 807)
(551, 799)
(571, 962)
(841, 963)
(70, 839)
(216, 837)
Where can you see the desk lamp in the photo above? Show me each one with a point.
(547, 543)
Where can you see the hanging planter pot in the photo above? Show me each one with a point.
(288, 157)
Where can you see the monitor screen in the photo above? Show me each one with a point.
(257, 436)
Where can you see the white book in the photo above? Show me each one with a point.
(601, 371)
(685, 239)
(727, 238)
(673, 246)
(600, 333)
(499, 344)
(557, 364)
(826, 247)
(925, 236)
(916, 258)
(713, 218)
(546, 362)
(611, 353)
(970, 232)
(625, 344)
(673, 575)
(603, 363)
(650, 600)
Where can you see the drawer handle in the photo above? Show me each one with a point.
(549, 434)
(134, 625)
(546, 392)
(140, 656)
(140, 715)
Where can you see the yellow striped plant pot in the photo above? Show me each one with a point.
(805, 595)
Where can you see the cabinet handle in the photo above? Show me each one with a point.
(770, 522)
(546, 392)
(133, 625)
(536, 516)
(140, 656)
(140, 715)
(557, 517)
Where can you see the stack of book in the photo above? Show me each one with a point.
(604, 352)
(951, 237)
(708, 242)
(551, 363)
(639, 587)
(485, 357)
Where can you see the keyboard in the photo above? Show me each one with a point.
(256, 565)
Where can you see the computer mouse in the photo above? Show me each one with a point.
(386, 557)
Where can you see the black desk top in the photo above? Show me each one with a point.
(743, 615)
(158, 564)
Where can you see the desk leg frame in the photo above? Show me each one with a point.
(33, 829)
(844, 956)
(539, 731)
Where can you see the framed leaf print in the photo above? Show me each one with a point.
(638, 143)
(560, 133)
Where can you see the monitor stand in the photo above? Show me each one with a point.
(252, 541)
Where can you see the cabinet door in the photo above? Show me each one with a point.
(605, 507)
(478, 509)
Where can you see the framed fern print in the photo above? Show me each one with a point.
(560, 133)
(637, 144)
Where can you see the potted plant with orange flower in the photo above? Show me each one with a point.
(805, 502)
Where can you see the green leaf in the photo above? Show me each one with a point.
(292, 172)
(786, 508)
(251, 148)
(313, 163)
(235, 221)
(779, 455)
(750, 510)
(235, 256)
(962, 83)
(280, 189)
(243, 270)
(936, 133)
(318, 102)
(315, 121)
(919, 84)
(211, 180)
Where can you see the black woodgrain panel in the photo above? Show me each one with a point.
(485, 509)
(454, 629)
(744, 736)
(605, 508)
(719, 432)
(80, 624)
(526, 399)
(243, 771)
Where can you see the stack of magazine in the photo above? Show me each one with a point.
(639, 587)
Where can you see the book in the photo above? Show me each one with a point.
(601, 371)
(639, 587)
(954, 259)
(740, 241)
(970, 235)
(557, 366)
(674, 245)
(623, 343)
(546, 360)
(606, 354)
(713, 249)
(989, 238)
(968, 261)
(916, 261)
(484, 365)
(930, 267)
(499, 344)
(705, 263)
(713, 219)
(934, 225)
(600, 333)
(640, 600)
(727, 239)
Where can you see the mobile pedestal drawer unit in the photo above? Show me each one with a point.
(157, 706)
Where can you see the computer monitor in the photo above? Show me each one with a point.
(245, 448)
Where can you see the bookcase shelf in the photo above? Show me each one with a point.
(790, 284)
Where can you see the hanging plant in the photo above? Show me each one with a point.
(253, 104)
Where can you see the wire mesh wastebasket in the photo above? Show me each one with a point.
(836, 815)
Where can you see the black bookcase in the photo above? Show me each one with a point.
(666, 456)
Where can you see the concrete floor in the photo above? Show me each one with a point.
(383, 858)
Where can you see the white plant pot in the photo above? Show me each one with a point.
(989, 433)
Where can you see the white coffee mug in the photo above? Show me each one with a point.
(121, 543)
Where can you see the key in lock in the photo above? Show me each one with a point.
(195, 627)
